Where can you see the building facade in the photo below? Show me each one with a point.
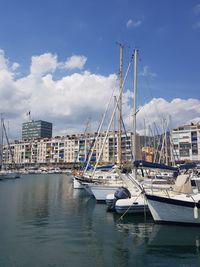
(186, 143)
(70, 149)
(36, 129)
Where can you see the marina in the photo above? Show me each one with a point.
(45, 222)
(100, 133)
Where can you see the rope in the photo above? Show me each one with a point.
(122, 216)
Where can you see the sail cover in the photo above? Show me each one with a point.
(146, 164)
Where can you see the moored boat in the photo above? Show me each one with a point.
(179, 206)
(9, 175)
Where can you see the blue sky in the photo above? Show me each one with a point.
(167, 34)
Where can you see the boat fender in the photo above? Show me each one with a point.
(74, 173)
(196, 215)
(81, 174)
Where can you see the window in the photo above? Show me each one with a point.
(194, 152)
(185, 146)
(184, 152)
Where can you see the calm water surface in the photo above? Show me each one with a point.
(45, 223)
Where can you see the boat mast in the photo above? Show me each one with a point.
(1, 155)
(120, 108)
(134, 102)
(9, 146)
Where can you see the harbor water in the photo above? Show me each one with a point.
(44, 222)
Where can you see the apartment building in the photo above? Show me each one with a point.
(186, 143)
(70, 149)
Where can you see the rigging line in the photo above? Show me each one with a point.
(129, 145)
(112, 115)
(103, 119)
(159, 141)
(78, 154)
(99, 129)
(147, 81)
(11, 152)
(122, 216)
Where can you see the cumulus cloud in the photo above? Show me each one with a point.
(3, 61)
(133, 24)
(70, 100)
(67, 101)
(75, 62)
(178, 112)
(43, 64)
(48, 63)
(15, 66)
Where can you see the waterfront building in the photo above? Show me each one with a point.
(70, 149)
(186, 143)
(36, 129)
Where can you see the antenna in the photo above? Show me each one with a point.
(29, 115)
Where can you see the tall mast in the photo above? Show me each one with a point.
(120, 108)
(1, 155)
(134, 101)
(114, 122)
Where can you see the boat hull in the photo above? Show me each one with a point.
(100, 192)
(136, 205)
(77, 184)
(173, 211)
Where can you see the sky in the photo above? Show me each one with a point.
(60, 61)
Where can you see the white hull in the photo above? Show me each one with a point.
(179, 209)
(134, 204)
(77, 184)
(101, 191)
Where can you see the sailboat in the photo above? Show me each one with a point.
(5, 173)
(135, 202)
(179, 206)
(108, 181)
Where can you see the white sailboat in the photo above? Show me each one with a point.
(109, 181)
(179, 206)
(136, 203)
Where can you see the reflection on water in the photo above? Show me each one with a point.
(44, 222)
(161, 244)
(177, 241)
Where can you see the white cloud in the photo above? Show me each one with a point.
(75, 62)
(3, 61)
(133, 24)
(43, 64)
(180, 111)
(67, 102)
(48, 63)
(15, 66)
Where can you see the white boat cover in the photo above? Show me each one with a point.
(183, 184)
